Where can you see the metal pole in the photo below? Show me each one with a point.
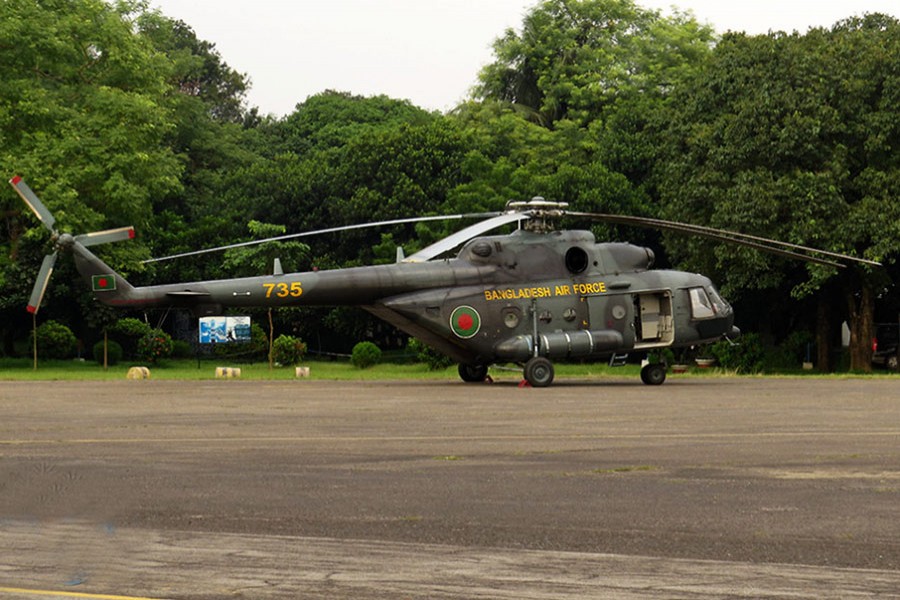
(34, 336)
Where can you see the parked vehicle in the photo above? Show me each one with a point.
(884, 346)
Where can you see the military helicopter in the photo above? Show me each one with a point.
(529, 297)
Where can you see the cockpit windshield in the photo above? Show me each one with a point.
(706, 303)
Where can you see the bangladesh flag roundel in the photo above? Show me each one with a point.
(465, 321)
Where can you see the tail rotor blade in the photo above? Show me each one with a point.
(103, 237)
(33, 202)
(40, 286)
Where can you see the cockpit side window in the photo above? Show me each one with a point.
(701, 306)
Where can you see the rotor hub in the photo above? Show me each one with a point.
(65, 240)
(542, 213)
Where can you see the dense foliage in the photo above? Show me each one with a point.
(117, 115)
(794, 137)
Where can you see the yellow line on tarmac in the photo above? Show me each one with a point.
(58, 594)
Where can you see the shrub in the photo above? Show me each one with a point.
(663, 355)
(288, 350)
(791, 352)
(365, 355)
(113, 352)
(257, 347)
(155, 345)
(744, 356)
(54, 340)
(182, 349)
(428, 355)
(128, 332)
(130, 327)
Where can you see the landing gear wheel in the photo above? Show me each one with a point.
(473, 373)
(539, 372)
(653, 374)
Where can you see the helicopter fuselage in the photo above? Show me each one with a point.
(505, 298)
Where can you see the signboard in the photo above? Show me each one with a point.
(224, 330)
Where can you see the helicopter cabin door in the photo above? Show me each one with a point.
(645, 319)
(654, 325)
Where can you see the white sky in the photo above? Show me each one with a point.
(426, 51)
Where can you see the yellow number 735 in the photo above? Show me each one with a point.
(283, 290)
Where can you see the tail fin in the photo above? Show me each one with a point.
(108, 286)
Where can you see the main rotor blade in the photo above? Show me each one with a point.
(460, 237)
(108, 235)
(40, 285)
(291, 236)
(771, 246)
(33, 202)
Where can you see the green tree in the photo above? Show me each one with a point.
(597, 73)
(794, 137)
(198, 70)
(213, 138)
(331, 119)
(579, 60)
(342, 159)
(81, 111)
(258, 259)
(83, 119)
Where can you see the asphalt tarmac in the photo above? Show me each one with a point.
(700, 488)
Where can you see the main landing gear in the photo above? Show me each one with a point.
(473, 373)
(538, 372)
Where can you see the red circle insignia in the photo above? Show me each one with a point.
(465, 322)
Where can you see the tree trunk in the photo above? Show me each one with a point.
(824, 334)
(862, 328)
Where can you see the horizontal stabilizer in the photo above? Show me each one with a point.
(188, 294)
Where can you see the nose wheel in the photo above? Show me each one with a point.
(539, 372)
(653, 374)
